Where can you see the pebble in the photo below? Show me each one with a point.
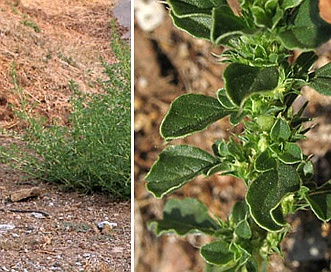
(86, 255)
(37, 215)
(6, 227)
(149, 14)
(101, 225)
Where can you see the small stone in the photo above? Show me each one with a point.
(148, 15)
(101, 225)
(24, 194)
(57, 264)
(37, 215)
(86, 255)
(106, 227)
(6, 227)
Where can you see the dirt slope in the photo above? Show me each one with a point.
(45, 44)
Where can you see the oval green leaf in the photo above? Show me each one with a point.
(290, 3)
(243, 80)
(321, 80)
(218, 253)
(225, 24)
(191, 113)
(265, 161)
(280, 130)
(267, 191)
(176, 166)
(187, 8)
(224, 100)
(198, 26)
(291, 154)
(184, 216)
(243, 230)
(308, 29)
(320, 201)
(240, 211)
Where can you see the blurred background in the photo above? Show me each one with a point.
(169, 63)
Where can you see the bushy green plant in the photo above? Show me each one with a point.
(93, 152)
(260, 85)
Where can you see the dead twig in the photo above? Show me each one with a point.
(25, 211)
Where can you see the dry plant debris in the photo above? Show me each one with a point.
(44, 47)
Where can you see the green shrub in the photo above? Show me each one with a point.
(93, 152)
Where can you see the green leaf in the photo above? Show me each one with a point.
(267, 15)
(279, 14)
(243, 230)
(242, 251)
(240, 211)
(185, 8)
(225, 24)
(321, 80)
(277, 215)
(267, 191)
(320, 201)
(280, 130)
(220, 148)
(252, 265)
(230, 148)
(265, 122)
(271, 5)
(198, 26)
(243, 80)
(190, 113)
(308, 169)
(175, 167)
(291, 154)
(223, 168)
(260, 17)
(184, 216)
(291, 3)
(218, 253)
(308, 29)
(216, 268)
(194, 16)
(236, 150)
(236, 117)
(224, 100)
(265, 161)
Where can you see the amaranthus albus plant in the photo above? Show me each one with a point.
(261, 82)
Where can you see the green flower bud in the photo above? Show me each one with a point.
(265, 122)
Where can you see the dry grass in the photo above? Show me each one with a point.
(73, 36)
